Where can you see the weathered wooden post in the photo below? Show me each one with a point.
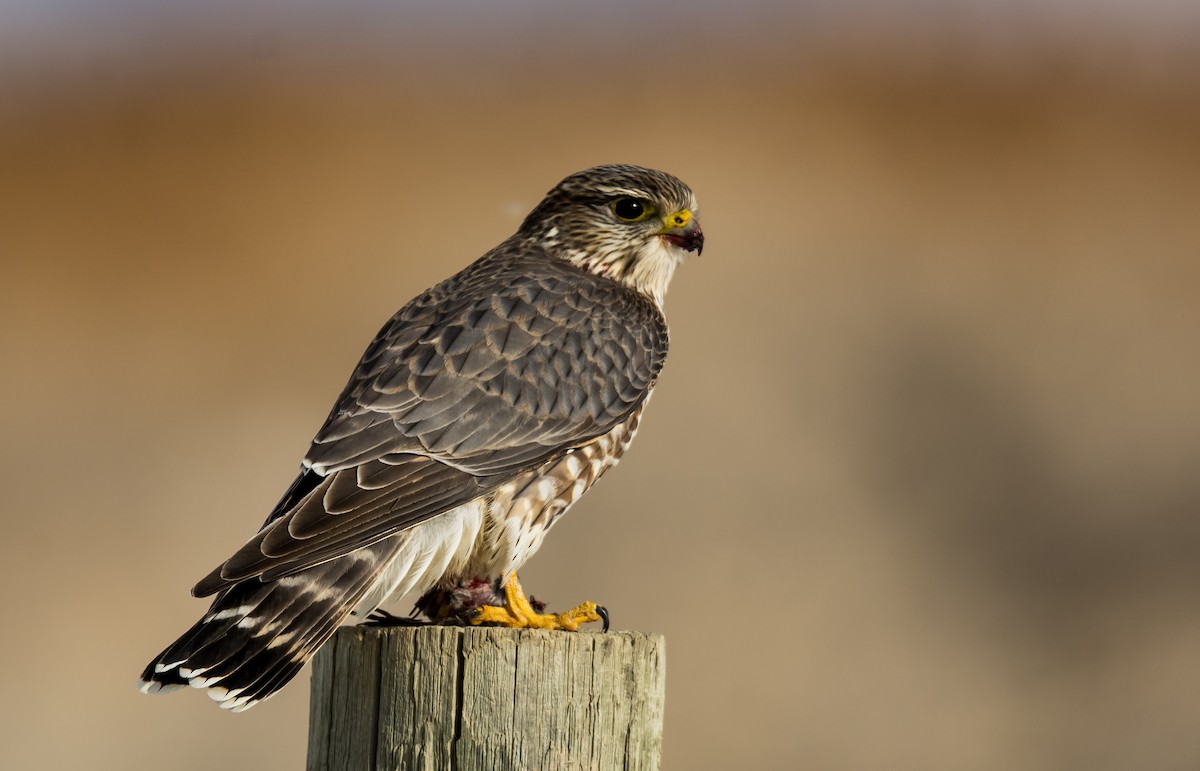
(486, 698)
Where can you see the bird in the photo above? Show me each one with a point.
(481, 411)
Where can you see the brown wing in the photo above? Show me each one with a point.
(516, 359)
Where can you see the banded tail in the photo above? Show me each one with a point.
(258, 635)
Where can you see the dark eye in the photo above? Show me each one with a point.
(632, 209)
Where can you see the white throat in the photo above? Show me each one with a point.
(653, 270)
(649, 272)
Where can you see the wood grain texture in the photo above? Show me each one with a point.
(482, 698)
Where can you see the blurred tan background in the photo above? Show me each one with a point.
(919, 489)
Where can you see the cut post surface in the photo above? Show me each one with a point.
(486, 698)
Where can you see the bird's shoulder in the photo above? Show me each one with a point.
(518, 348)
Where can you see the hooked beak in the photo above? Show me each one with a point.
(683, 230)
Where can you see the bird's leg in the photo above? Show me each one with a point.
(518, 613)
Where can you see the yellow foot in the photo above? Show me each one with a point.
(517, 613)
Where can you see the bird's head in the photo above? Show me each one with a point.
(629, 223)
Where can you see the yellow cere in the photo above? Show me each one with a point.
(679, 219)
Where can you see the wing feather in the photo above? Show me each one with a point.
(513, 361)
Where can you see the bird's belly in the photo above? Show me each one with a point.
(521, 512)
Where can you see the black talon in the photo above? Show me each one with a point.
(603, 613)
(381, 618)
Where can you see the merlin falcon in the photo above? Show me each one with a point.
(480, 412)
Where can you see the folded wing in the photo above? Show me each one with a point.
(496, 370)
